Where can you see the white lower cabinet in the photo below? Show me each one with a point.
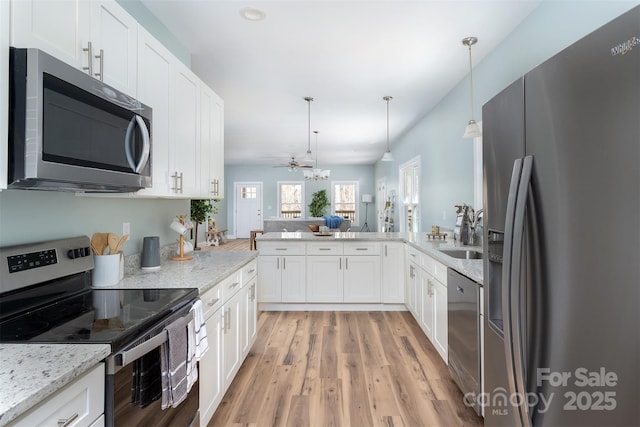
(281, 278)
(80, 403)
(426, 298)
(231, 318)
(362, 278)
(393, 272)
(325, 280)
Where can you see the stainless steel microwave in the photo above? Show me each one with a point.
(69, 131)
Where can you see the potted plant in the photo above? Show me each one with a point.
(319, 204)
(200, 209)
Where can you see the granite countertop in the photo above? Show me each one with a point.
(29, 373)
(204, 271)
(472, 268)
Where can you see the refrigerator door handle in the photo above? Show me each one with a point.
(506, 276)
(516, 285)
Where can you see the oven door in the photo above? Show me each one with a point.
(119, 410)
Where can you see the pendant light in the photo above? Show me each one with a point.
(472, 130)
(316, 174)
(387, 156)
(308, 158)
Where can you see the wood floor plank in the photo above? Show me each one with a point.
(342, 369)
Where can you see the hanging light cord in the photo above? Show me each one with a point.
(471, 80)
(388, 98)
(316, 132)
(309, 99)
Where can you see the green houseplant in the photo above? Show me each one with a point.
(319, 204)
(199, 211)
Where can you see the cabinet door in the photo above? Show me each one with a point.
(155, 88)
(325, 280)
(269, 279)
(115, 32)
(212, 143)
(293, 279)
(185, 144)
(58, 27)
(232, 336)
(211, 374)
(392, 272)
(252, 314)
(4, 91)
(427, 306)
(410, 289)
(440, 327)
(362, 279)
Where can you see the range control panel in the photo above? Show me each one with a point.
(31, 260)
(34, 263)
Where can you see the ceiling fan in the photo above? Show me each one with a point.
(294, 165)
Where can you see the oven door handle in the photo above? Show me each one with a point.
(123, 358)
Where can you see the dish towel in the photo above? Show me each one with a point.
(332, 221)
(202, 344)
(173, 362)
(146, 382)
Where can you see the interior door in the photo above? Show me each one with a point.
(248, 208)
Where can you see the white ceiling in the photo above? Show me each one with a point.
(345, 54)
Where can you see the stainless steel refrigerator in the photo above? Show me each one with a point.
(562, 237)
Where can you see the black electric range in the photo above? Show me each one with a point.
(46, 297)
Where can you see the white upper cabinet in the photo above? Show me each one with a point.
(155, 88)
(211, 143)
(75, 31)
(185, 146)
(58, 27)
(114, 36)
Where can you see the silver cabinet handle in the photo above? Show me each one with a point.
(177, 177)
(277, 263)
(64, 422)
(251, 271)
(215, 187)
(340, 263)
(413, 255)
(100, 75)
(223, 324)
(89, 50)
(284, 263)
(252, 296)
(411, 275)
(234, 284)
(385, 250)
(281, 249)
(227, 319)
(324, 249)
(212, 302)
(346, 263)
(362, 249)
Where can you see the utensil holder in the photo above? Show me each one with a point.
(107, 269)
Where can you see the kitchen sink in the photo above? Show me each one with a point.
(461, 254)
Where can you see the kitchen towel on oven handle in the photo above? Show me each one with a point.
(196, 341)
(173, 361)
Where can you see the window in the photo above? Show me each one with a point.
(248, 192)
(344, 199)
(290, 199)
(410, 195)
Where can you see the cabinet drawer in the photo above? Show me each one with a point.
(231, 285)
(82, 400)
(249, 271)
(440, 272)
(415, 255)
(324, 248)
(211, 300)
(362, 248)
(281, 248)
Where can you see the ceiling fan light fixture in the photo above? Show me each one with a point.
(472, 130)
(387, 156)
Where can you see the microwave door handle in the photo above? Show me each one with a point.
(146, 144)
(128, 149)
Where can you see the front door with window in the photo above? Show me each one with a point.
(248, 208)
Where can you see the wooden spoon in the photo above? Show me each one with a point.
(99, 243)
(121, 243)
(112, 240)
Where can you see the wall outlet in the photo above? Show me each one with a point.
(444, 215)
(126, 228)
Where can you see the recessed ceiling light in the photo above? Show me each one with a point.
(252, 14)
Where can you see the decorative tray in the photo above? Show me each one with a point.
(317, 233)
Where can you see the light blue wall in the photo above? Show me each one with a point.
(157, 29)
(447, 159)
(31, 216)
(269, 177)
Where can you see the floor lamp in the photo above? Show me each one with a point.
(366, 199)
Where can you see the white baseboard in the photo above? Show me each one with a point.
(265, 306)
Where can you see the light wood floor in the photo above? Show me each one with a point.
(342, 369)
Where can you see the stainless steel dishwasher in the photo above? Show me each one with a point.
(463, 306)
